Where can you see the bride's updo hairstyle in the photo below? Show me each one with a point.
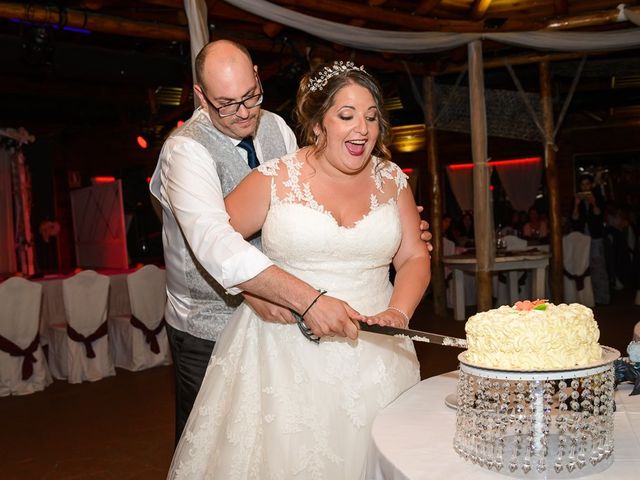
(316, 95)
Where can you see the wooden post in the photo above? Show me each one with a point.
(555, 223)
(438, 286)
(482, 203)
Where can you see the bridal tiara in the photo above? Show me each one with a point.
(321, 78)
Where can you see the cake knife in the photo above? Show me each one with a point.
(417, 335)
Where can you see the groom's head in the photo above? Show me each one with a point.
(228, 88)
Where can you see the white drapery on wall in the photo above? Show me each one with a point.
(422, 42)
(461, 181)
(7, 233)
(521, 181)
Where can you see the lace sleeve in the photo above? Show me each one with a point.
(391, 171)
(270, 168)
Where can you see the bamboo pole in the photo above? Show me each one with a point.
(438, 286)
(482, 204)
(551, 172)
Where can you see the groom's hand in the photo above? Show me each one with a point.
(332, 317)
(267, 311)
(425, 234)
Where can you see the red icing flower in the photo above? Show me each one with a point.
(527, 305)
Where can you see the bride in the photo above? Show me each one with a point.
(337, 213)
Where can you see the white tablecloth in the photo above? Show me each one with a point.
(412, 438)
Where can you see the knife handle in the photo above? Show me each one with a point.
(306, 331)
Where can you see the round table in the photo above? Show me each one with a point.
(412, 438)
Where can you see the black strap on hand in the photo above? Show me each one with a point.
(306, 331)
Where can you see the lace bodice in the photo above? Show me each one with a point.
(304, 238)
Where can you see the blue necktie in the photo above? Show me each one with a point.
(247, 144)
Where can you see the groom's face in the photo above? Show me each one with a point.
(226, 84)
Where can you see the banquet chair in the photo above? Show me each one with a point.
(576, 249)
(79, 349)
(139, 340)
(449, 248)
(23, 366)
(520, 277)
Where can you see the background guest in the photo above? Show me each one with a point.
(536, 227)
(588, 218)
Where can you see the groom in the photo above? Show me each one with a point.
(207, 262)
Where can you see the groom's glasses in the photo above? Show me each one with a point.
(232, 108)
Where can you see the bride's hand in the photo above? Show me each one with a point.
(332, 317)
(268, 311)
(391, 318)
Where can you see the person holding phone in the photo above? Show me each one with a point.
(588, 218)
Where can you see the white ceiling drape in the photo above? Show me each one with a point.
(423, 42)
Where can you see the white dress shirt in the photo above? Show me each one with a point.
(188, 187)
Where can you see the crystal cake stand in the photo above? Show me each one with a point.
(537, 424)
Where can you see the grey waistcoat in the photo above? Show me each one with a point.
(211, 305)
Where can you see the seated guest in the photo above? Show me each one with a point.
(447, 226)
(464, 235)
(536, 228)
(514, 225)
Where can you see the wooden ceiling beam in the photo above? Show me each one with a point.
(587, 20)
(382, 16)
(479, 9)
(522, 60)
(93, 21)
(426, 6)
(560, 7)
(216, 9)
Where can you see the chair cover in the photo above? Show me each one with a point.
(636, 332)
(576, 249)
(23, 366)
(140, 341)
(501, 280)
(79, 350)
(449, 248)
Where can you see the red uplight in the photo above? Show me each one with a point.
(148, 179)
(103, 179)
(408, 171)
(180, 123)
(491, 187)
(142, 142)
(498, 163)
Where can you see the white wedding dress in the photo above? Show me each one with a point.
(274, 405)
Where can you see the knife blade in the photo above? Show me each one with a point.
(417, 335)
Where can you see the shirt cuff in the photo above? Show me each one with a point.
(241, 267)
